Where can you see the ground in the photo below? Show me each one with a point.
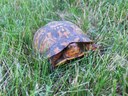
(24, 72)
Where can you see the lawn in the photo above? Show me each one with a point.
(26, 73)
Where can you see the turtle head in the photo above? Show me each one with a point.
(72, 50)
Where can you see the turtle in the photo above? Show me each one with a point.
(62, 41)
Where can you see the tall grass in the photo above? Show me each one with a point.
(104, 72)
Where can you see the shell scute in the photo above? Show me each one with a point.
(56, 50)
(56, 35)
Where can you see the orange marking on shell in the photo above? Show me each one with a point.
(56, 50)
(66, 34)
(39, 32)
(49, 35)
(64, 44)
(76, 39)
(78, 30)
(60, 33)
(43, 45)
(51, 38)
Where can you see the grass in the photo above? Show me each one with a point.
(104, 72)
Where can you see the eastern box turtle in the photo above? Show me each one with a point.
(61, 41)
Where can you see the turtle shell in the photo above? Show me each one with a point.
(56, 36)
